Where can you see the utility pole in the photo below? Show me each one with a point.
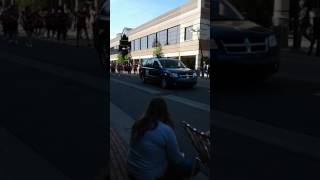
(76, 5)
(281, 21)
(200, 47)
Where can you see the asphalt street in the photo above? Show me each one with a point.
(53, 112)
(269, 130)
(130, 96)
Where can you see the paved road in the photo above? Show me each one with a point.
(270, 130)
(53, 112)
(130, 97)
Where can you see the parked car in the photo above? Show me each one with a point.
(239, 46)
(167, 72)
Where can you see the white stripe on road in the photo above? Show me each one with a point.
(194, 104)
(296, 142)
(317, 94)
(148, 90)
(185, 101)
(76, 76)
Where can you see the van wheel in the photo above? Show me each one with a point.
(164, 83)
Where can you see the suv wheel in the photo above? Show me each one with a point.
(164, 83)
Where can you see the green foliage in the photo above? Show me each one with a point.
(157, 52)
(120, 59)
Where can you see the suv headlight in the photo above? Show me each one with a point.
(175, 75)
(194, 74)
(272, 40)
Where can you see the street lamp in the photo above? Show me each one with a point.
(200, 47)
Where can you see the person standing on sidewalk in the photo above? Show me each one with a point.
(304, 25)
(154, 152)
(82, 25)
(28, 21)
(135, 66)
(62, 24)
(50, 20)
(13, 17)
(316, 33)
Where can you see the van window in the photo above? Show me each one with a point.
(149, 63)
(156, 64)
(170, 63)
(144, 62)
(224, 11)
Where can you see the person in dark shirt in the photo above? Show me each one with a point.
(13, 16)
(28, 21)
(154, 152)
(82, 16)
(50, 20)
(62, 24)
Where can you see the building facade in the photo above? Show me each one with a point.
(183, 32)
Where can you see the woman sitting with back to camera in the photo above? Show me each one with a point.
(154, 152)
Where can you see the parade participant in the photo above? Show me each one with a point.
(82, 25)
(4, 22)
(135, 66)
(154, 152)
(62, 24)
(40, 21)
(13, 16)
(50, 18)
(304, 25)
(28, 21)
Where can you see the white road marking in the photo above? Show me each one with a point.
(317, 94)
(145, 89)
(76, 76)
(185, 101)
(294, 141)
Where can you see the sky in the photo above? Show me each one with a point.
(133, 13)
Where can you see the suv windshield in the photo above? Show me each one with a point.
(224, 11)
(171, 63)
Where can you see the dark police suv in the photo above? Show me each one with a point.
(167, 72)
(241, 47)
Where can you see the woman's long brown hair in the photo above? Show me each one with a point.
(156, 111)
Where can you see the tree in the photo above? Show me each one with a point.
(120, 59)
(157, 52)
(124, 45)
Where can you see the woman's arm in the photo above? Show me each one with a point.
(173, 151)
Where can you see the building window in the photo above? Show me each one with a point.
(152, 40)
(188, 33)
(113, 51)
(144, 43)
(162, 37)
(132, 45)
(174, 35)
(137, 44)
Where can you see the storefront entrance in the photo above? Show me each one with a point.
(189, 61)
